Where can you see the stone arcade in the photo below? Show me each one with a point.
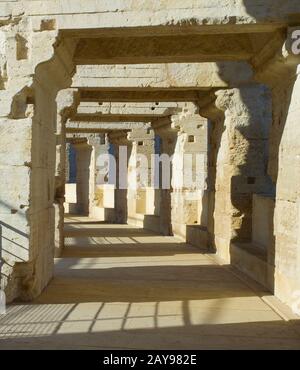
(81, 80)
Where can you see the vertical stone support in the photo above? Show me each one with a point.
(70, 186)
(282, 74)
(189, 196)
(122, 152)
(27, 126)
(168, 139)
(140, 191)
(83, 166)
(285, 168)
(241, 163)
(102, 197)
(100, 147)
(67, 102)
(68, 150)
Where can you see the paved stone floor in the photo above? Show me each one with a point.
(118, 286)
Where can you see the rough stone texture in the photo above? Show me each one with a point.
(286, 217)
(161, 76)
(77, 127)
(241, 162)
(67, 102)
(83, 162)
(28, 102)
(192, 47)
(140, 178)
(189, 174)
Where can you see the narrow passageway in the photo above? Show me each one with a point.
(119, 286)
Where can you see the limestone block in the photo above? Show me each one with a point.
(145, 201)
(286, 287)
(223, 226)
(287, 225)
(15, 238)
(105, 196)
(252, 261)
(287, 256)
(169, 75)
(203, 208)
(197, 236)
(14, 189)
(42, 189)
(71, 194)
(262, 220)
(222, 246)
(141, 134)
(289, 168)
(184, 208)
(15, 140)
(59, 225)
(98, 213)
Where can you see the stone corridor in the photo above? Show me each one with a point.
(150, 170)
(122, 287)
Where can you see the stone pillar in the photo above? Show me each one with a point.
(189, 196)
(83, 165)
(67, 102)
(100, 147)
(241, 163)
(287, 206)
(168, 139)
(140, 191)
(27, 153)
(282, 74)
(122, 152)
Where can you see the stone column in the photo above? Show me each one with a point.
(282, 74)
(100, 147)
(241, 163)
(122, 152)
(67, 102)
(27, 155)
(189, 196)
(168, 139)
(83, 165)
(140, 191)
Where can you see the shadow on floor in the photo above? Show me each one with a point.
(144, 292)
(151, 333)
(87, 283)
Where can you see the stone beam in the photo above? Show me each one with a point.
(127, 96)
(166, 49)
(101, 127)
(154, 108)
(116, 117)
(139, 18)
(178, 76)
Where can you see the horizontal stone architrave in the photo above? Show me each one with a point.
(196, 76)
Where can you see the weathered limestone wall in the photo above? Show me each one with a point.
(183, 206)
(35, 64)
(128, 13)
(162, 76)
(281, 73)
(28, 125)
(241, 163)
(287, 167)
